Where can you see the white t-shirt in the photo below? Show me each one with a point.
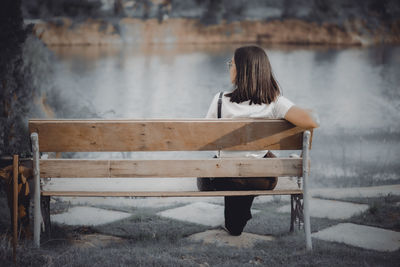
(274, 110)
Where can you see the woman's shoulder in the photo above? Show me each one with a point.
(221, 93)
(215, 97)
(282, 98)
(225, 96)
(212, 110)
(281, 106)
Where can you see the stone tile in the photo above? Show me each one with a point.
(198, 212)
(361, 236)
(148, 202)
(222, 238)
(88, 216)
(331, 209)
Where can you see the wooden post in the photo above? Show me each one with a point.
(306, 200)
(36, 197)
(15, 206)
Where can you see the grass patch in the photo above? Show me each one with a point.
(150, 240)
(383, 212)
(271, 222)
(146, 227)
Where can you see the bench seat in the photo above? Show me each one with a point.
(171, 193)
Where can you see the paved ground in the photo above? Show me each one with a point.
(361, 236)
(199, 212)
(88, 216)
(194, 209)
(331, 209)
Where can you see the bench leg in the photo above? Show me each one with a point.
(36, 196)
(45, 209)
(296, 212)
(306, 203)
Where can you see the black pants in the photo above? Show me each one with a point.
(237, 213)
(238, 208)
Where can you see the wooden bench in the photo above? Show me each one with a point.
(170, 135)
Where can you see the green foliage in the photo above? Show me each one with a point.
(383, 212)
(55, 8)
(12, 37)
(374, 208)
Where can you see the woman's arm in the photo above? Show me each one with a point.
(302, 117)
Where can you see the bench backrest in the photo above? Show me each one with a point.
(166, 135)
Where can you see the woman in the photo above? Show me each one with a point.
(256, 94)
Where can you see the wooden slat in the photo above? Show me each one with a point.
(165, 135)
(227, 167)
(171, 193)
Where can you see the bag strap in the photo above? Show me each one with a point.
(219, 114)
(220, 104)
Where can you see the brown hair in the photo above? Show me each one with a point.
(254, 79)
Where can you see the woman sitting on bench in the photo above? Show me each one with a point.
(255, 94)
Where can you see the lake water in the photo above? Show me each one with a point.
(354, 90)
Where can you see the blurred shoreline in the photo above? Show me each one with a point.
(67, 31)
